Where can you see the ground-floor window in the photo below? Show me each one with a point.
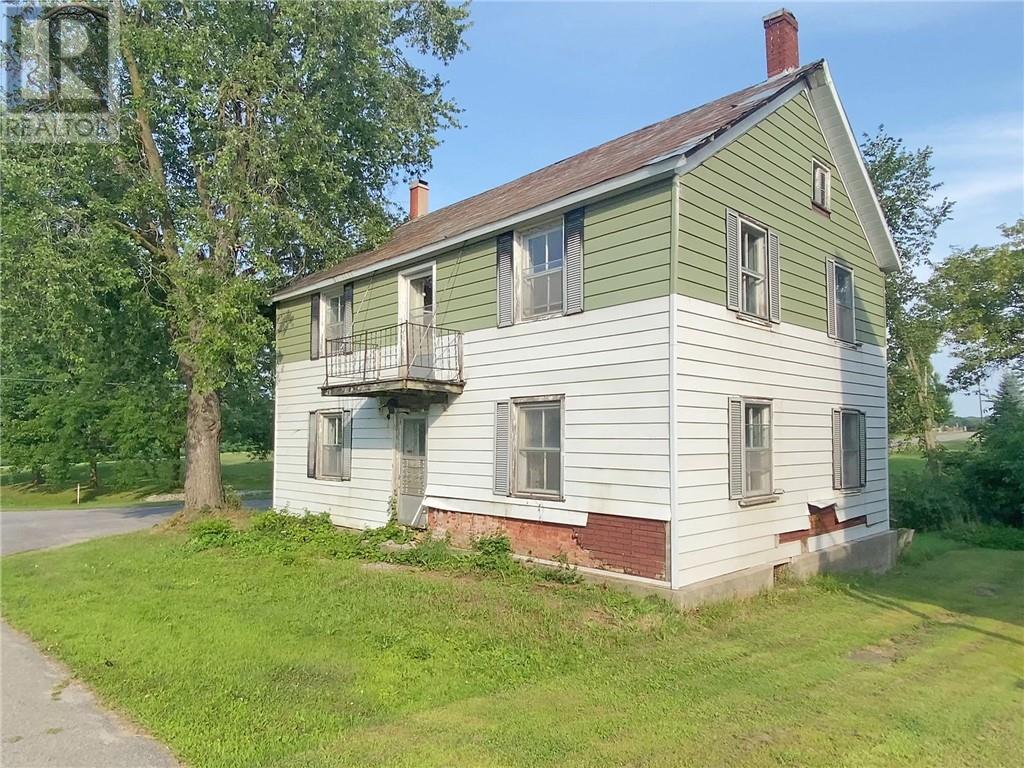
(750, 448)
(329, 455)
(538, 440)
(849, 449)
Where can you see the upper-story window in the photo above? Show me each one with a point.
(753, 270)
(841, 303)
(334, 322)
(541, 265)
(821, 181)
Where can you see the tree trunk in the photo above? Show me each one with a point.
(37, 476)
(202, 451)
(94, 474)
(924, 400)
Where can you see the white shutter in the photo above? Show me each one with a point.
(346, 446)
(311, 445)
(830, 296)
(572, 271)
(314, 327)
(774, 286)
(837, 449)
(732, 260)
(862, 424)
(506, 280)
(502, 417)
(735, 448)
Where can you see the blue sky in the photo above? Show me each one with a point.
(543, 80)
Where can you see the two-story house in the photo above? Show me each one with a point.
(663, 357)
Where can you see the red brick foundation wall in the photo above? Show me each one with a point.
(611, 542)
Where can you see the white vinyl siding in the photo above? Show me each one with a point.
(804, 374)
(361, 502)
(610, 366)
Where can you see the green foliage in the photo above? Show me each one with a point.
(903, 182)
(258, 141)
(981, 485)
(210, 534)
(978, 298)
(993, 536)
(994, 474)
(929, 500)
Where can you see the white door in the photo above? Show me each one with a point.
(419, 328)
(412, 467)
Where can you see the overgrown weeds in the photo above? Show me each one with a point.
(288, 537)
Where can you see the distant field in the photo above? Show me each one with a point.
(903, 462)
(119, 487)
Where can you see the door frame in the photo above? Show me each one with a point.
(402, 417)
(405, 277)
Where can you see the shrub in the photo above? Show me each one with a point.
(210, 534)
(929, 500)
(987, 536)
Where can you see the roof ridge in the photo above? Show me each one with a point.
(621, 137)
(659, 141)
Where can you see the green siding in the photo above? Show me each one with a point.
(766, 174)
(291, 330)
(626, 245)
(466, 286)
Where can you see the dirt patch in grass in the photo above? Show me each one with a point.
(875, 655)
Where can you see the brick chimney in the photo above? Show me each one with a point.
(419, 199)
(781, 42)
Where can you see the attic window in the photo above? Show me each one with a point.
(821, 185)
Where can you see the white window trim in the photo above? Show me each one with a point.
(837, 266)
(321, 417)
(519, 256)
(768, 495)
(844, 487)
(765, 277)
(815, 164)
(514, 447)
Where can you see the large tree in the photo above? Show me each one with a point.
(978, 297)
(258, 140)
(907, 193)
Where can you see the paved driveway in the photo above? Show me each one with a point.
(46, 718)
(41, 528)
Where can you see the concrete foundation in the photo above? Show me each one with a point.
(876, 554)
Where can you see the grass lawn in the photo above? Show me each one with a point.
(911, 461)
(267, 660)
(17, 491)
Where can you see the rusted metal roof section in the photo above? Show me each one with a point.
(674, 136)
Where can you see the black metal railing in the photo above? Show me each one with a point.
(402, 351)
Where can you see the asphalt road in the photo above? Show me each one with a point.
(46, 717)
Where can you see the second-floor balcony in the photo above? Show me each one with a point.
(396, 361)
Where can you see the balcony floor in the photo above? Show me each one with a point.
(399, 388)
